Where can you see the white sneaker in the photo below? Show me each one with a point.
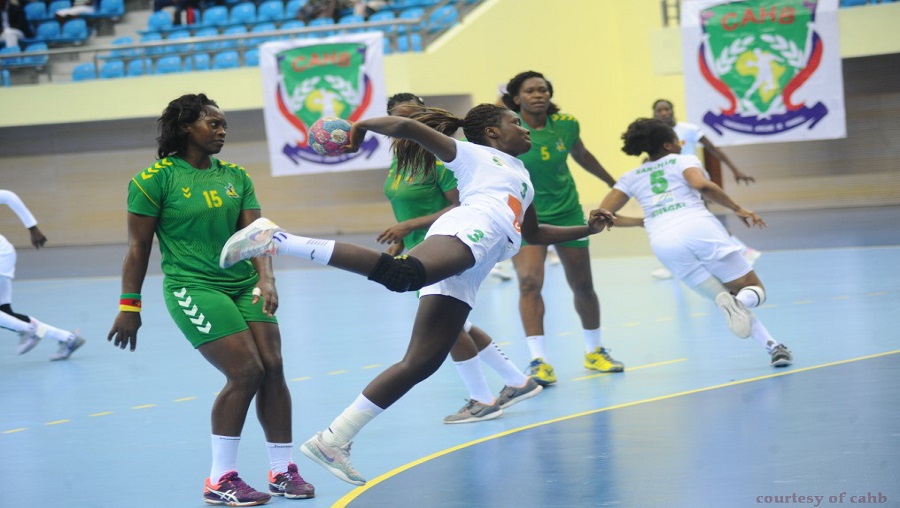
(737, 315)
(253, 241)
(28, 339)
(335, 459)
(751, 255)
(552, 257)
(67, 348)
(661, 273)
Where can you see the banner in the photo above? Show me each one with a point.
(762, 71)
(306, 79)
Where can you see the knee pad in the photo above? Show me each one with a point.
(400, 274)
(760, 293)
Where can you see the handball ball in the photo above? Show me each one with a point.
(328, 135)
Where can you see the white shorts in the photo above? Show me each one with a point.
(488, 243)
(697, 249)
(7, 258)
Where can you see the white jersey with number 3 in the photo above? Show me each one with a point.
(663, 192)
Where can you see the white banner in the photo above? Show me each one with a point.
(305, 79)
(763, 71)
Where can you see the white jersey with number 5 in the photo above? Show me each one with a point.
(664, 194)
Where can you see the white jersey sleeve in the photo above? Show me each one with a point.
(662, 191)
(12, 200)
(690, 135)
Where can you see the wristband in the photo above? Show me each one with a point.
(130, 302)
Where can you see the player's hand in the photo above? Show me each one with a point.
(124, 330)
(395, 249)
(600, 219)
(37, 237)
(394, 234)
(355, 138)
(265, 290)
(750, 218)
(743, 177)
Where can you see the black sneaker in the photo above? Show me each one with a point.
(781, 356)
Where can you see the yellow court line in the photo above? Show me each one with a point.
(629, 369)
(102, 413)
(57, 422)
(13, 431)
(375, 366)
(336, 372)
(145, 406)
(353, 494)
(303, 378)
(185, 399)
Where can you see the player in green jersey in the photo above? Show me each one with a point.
(555, 136)
(193, 202)
(417, 201)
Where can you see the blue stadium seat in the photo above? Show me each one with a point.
(57, 5)
(409, 42)
(291, 8)
(293, 25)
(260, 28)
(442, 18)
(75, 31)
(153, 37)
(36, 60)
(11, 50)
(270, 11)
(384, 15)
(197, 62)
(206, 32)
(159, 21)
(243, 13)
(216, 15)
(112, 69)
(125, 40)
(233, 43)
(321, 22)
(5, 78)
(48, 31)
(140, 67)
(351, 19)
(84, 71)
(251, 57)
(35, 11)
(412, 13)
(226, 60)
(168, 64)
(177, 48)
(853, 3)
(112, 8)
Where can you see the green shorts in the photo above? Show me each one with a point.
(205, 314)
(575, 217)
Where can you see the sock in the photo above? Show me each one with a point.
(345, 427)
(313, 249)
(760, 334)
(537, 346)
(52, 332)
(592, 340)
(224, 456)
(280, 455)
(493, 356)
(751, 296)
(473, 377)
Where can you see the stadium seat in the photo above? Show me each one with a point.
(84, 71)
(140, 67)
(384, 15)
(112, 69)
(233, 43)
(35, 11)
(168, 64)
(321, 22)
(270, 11)
(216, 16)
(243, 13)
(57, 5)
(226, 60)
(75, 31)
(409, 42)
(48, 31)
(125, 40)
(36, 60)
(442, 18)
(260, 28)
(351, 19)
(11, 50)
(291, 8)
(206, 32)
(5, 78)
(197, 62)
(177, 48)
(293, 25)
(112, 8)
(412, 13)
(159, 21)
(853, 3)
(251, 57)
(153, 37)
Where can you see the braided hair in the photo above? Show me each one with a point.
(400, 98)
(515, 85)
(187, 109)
(646, 135)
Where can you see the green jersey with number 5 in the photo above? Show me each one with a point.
(555, 195)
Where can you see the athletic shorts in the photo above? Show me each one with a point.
(205, 314)
(574, 218)
(488, 243)
(7, 258)
(697, 249)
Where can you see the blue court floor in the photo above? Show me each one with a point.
(699, 418)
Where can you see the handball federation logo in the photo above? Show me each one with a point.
(756, 54)
(322, 80)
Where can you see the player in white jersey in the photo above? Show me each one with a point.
(460, 248)
(685, 236)
(690, 136)
(30, 330)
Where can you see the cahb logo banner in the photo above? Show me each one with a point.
(306, 79)
(760, 71)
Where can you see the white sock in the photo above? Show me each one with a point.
(313, 249)
(345, 427)
(52, 332)
(280, 456)
(224, 456)
(592, 340)
(760, 334)
(751, 296)
(493, 356)
(537, 345)
(473, 377)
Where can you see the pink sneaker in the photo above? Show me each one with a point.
(232, 491)
(290, 484)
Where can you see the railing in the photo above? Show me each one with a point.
(671, 12)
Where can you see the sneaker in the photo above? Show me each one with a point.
(751, 255)
(541, 372)
(661, 273)
(67, 348)
(335, 459)
(475, 411)
(290, 484)
(510, 395)
(599, 359)
(781, 356)
(232, 491)
(737, 315)
(28, 339)
(500, 272)
(253, 241)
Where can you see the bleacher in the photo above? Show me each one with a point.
(221, 35)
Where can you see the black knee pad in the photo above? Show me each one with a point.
(400, 274)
